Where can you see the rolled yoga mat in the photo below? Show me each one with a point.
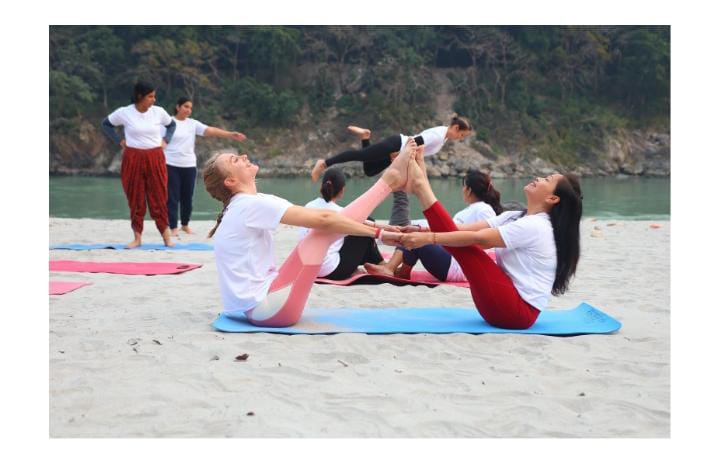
(583, 319)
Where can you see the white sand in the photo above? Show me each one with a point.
(110, 378)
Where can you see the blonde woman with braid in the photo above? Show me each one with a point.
(250, 282)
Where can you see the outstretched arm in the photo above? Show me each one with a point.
(217, 132)
(326, 221)
(485, 238)
(479, 225)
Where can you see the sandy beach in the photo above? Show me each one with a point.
(135, 356)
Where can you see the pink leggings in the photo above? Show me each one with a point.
(300, 269)
(493, 292)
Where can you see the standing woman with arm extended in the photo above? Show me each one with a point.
(143, 173)
(182, 162)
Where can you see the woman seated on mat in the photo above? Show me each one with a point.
(250, 283)
(346, 253)
(483, 203)
(537, 250)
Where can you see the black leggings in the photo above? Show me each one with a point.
(375, 158)
(181, 185)
(354, 252)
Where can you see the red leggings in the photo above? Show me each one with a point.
(493, 292)
(144, 178)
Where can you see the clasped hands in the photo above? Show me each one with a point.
(406, 236)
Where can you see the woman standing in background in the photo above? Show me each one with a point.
(182, 162)
(143, 173)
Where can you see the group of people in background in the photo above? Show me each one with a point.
(159, 164)
(537, 248)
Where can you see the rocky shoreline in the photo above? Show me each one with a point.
(631, 153)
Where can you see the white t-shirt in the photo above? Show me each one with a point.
(332, 258)
(142, 130)
(244, 249)
(474, 212)
(529, 257)
(180, 152)
(433, 139)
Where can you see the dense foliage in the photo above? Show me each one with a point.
(554, 85)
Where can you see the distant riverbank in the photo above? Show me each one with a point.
(626, 198)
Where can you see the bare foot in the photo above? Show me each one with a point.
(317, 171)
(396, 175)
(417, 177)
(137, 241)
(174, 232)
(166, 238)
(377, 269)
(360, 132)
(187, 230)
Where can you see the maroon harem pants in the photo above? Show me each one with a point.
(144, 179)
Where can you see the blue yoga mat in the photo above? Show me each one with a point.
(121, 246)
(583, 319)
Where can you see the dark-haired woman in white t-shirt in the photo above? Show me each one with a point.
(483, 204)
(146, 130)
(348, 251)
(537, 250)
(182, 162)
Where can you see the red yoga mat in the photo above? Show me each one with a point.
(61, 288)
(416, 278)
(122, 267)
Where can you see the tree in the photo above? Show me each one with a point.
(68, 95)
(188, 64)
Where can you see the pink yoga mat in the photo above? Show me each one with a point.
(416, 278)
(61, 288)
(122, 268)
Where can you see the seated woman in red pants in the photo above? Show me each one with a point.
(537, 250)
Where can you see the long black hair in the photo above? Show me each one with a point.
(140, 90)
(332, 183)
(565, 218)
(481, 186)
(181, 101)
